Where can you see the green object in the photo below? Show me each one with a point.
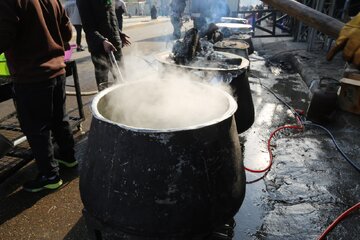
(4, 70)
(108, 2)
(68, 164)
(42, 183)
(2, 57)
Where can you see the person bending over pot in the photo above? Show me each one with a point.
(102, 35)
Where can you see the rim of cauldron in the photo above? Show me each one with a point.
(232, 107)
(217, 45)
(161, 57)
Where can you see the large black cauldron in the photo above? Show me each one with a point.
(239, 82)
(238, 47)
(165, 183)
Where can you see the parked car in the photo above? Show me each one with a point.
(234, 26)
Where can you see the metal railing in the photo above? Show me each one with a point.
(269, 23)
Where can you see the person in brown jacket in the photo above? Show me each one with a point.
(33, 34)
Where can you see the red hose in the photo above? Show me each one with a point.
(341, 217)
(300, 127)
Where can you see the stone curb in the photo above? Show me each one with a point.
(308, 75)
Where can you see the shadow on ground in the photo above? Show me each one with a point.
(78, 231)
(14, 200)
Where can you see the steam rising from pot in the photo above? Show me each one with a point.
(170, 102)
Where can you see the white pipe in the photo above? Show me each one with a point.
(19, 141)
(114, 62)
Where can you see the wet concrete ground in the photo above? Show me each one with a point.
(310, 183)
(308, 186)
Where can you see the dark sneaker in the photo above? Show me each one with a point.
(43, 182)
(67, 163)
(80, 49)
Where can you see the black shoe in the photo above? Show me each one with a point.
(80, 49)
(43, 182)
(69, 163)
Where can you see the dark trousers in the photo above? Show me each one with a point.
(41, 113)
(103, 66)
(120, 22)
(119, 15)
(78, 29)
(177, 24)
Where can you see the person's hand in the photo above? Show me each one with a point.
(108, 46)
(124, 39)
(67, 46)
(349, 41)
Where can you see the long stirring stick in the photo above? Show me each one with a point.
(114, 62)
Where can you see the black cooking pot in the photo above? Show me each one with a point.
(163, 183)
(235, 46)
(236, 75)
(244, 37)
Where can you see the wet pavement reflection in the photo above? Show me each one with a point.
(310, 184)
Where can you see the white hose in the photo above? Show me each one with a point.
(88, 93)
(114, 62)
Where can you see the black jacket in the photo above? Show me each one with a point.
(99, 22)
